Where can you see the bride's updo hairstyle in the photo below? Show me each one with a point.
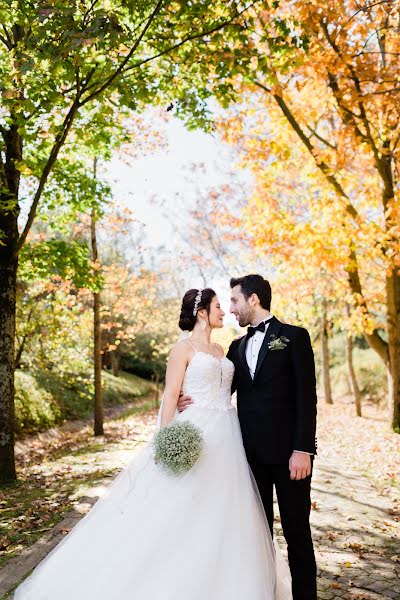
(187, 319)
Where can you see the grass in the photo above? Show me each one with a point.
(126, 386)
(43, 400)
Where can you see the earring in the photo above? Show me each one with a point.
(203, 324)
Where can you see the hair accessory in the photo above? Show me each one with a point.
(197, 301)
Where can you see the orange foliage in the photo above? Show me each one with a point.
(320, 128)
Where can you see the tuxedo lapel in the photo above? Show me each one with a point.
(242, 356)
(273, 329)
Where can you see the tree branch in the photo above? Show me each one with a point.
(2, 39)
(7, 39)
(374, 339)
(321, 164)
(119, 70)
(347, 115)
(140, 63)
(381, 158)
(191, 38)
(3, 176)
(321, 139)
(91, 7)
(391, 91)
(59, 141)
(365, 8)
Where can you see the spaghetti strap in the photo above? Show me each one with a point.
(189, 342)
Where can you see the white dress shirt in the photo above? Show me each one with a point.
(253, 347)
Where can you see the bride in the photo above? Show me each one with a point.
(202, 535)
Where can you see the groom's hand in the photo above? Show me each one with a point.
(299, 465)
(184, 402)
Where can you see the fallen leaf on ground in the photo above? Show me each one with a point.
(395, 558)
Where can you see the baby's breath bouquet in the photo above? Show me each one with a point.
(178, 446)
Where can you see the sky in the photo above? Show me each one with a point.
(161, 186)
(166, 178)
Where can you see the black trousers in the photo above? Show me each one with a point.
(294, 503)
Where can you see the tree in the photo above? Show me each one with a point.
(325, 353)
(65, 67)
(98, 388)
(352, 375)
(330, 84)
(128, 300)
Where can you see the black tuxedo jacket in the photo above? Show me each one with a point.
(278, 408)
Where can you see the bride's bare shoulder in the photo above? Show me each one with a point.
(181, 350)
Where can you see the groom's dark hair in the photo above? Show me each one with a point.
(254, 284)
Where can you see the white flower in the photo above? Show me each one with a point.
(178, 446)
(278, 343)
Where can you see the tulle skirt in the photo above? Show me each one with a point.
(153, 536)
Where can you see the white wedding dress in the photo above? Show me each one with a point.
(198, 536)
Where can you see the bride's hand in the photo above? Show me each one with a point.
(184, 402)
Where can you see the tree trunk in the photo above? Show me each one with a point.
(98, 386)
(9, 210)
(8, 281)
(325, 355)
(355, 390)
(156, 405)
(393, 323)
(97, 358)
(18, 354)
(105, 360)
(115, 358)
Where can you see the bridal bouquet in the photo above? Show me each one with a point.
(178, 446)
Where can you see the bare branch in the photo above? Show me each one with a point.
(367, 7)
(391, 91)
(321, 139)
(4, 41)
(364, 52)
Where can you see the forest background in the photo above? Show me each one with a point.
(148, 147)
(300, 102)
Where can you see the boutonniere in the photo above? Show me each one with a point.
(277, 343)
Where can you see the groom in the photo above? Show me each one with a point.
(276, 399)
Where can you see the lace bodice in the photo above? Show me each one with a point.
(208, 381)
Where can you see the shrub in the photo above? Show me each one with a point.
(44, 399)
(35, 408)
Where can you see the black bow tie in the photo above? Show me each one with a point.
(251, 330)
